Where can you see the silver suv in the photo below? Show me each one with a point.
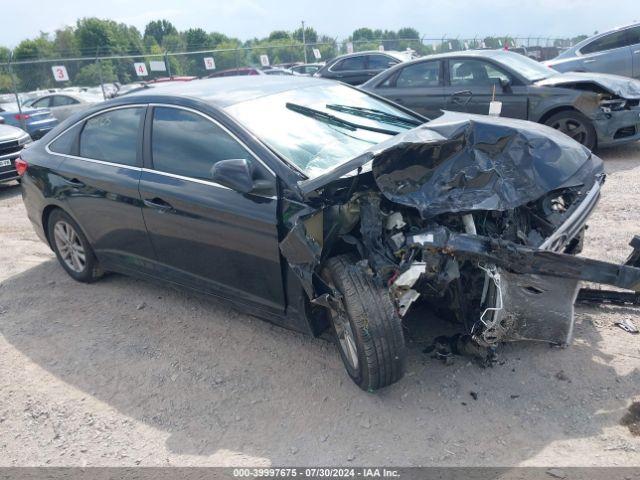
(616, 51)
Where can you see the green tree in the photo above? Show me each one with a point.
(32, 76)
(89, 75)
(310, 35)
(158, 29)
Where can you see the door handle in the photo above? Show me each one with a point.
(157, 203)
(74, 182)
(636, 52)
(589, 61)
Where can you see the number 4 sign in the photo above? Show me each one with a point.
(60, 73)
(141, 69)
(209, 63)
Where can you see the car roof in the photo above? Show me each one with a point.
(400, 55)
(484, 53)
(225, 91)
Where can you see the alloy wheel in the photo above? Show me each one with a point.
(572, 128)
(69, 246)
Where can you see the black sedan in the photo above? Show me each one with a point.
(315, 205)
(592, 108)
(357, 68)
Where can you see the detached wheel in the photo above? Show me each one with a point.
(368, 331)
(575, 125)
(72, 248)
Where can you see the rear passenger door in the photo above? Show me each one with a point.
(610, 53)
(98, 184)
(418, 86)
(208, 236)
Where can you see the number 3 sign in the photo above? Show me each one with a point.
(60, 73)
(141, 69)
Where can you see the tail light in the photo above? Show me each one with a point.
(21, 166)
(22, 116)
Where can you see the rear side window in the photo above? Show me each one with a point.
(185, 143)
(419, 75)
(608, 42)
(351, 63)
(66, 143)
(380, 62)
(112, 136)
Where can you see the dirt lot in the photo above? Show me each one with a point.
(126, 372)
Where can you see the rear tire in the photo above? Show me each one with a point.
(368, 333)
(575, 125)
(72, 248)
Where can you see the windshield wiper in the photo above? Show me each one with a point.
(374, 114)
(333, 120)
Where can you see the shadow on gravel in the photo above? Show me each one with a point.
(9, 190)
(620, 158)
(216, 380)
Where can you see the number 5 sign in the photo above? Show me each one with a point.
(141, 69)
(60, 73)
(209, 63)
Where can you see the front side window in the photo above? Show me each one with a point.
(112, 136)
(474, 73)
(42, 103)
(185, 143)
(61, 100)
(380, 62)
(351, 63)
(419, 75)
(608, 42)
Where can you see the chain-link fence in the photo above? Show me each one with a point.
(23, 80)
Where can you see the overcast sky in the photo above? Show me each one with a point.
(256, 18)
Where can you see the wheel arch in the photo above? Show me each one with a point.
(555, 110)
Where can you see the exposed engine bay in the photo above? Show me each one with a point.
(480, 217)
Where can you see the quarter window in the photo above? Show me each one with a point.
(112, 136)
(185, 143)
(419, 75)
(608, 42)
(66, 143)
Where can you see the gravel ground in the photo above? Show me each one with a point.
(127, 372)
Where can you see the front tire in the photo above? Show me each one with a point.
(368, 331)
(72, 248)
(575, 125)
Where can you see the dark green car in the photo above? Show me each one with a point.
(593, 108)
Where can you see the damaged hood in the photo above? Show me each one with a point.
(461, 162)
(623, 87)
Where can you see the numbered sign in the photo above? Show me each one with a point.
(60, 73)
(264, 60)
(209, 63)
(349, 47)
(381, 48)
(157, 66)
(316, 54)
(141, 69)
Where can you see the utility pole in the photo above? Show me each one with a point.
(304, 43)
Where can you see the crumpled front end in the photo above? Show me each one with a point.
(481, 217)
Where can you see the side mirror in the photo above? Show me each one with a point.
(505, 83)
(238, 175)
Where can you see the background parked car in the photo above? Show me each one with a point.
(593, 108)
(234, 72)
(12, 141)
(63, 105)
(616, 51)
(36, 121)
(306, 69)
(357, 68)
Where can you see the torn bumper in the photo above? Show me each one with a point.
(536, 288)
(618, 127)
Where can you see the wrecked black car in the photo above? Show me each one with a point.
(315, 205)
(594, 109)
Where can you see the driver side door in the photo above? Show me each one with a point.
(472, 83)
(207, 236)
